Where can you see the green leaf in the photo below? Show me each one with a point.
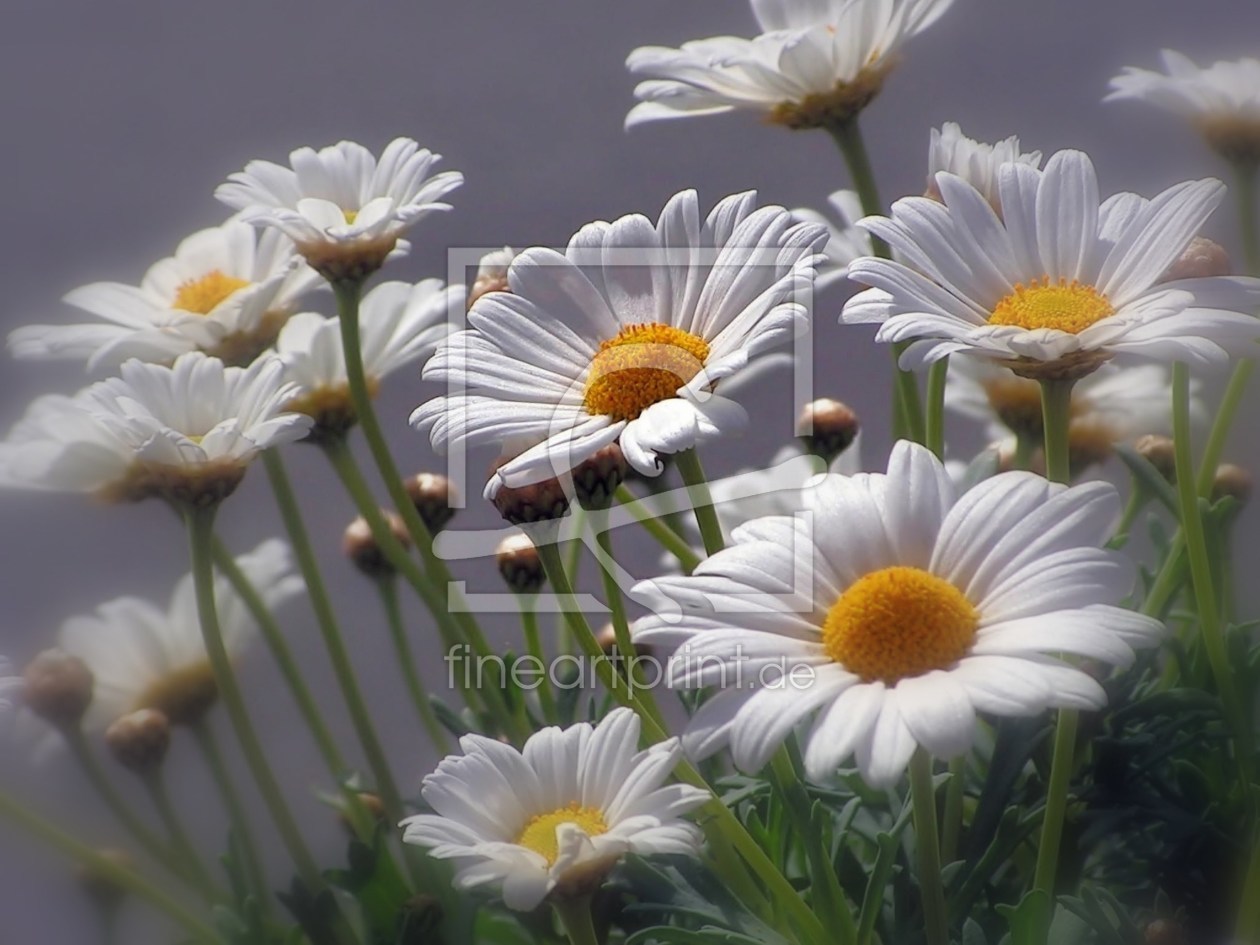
(1030, 920)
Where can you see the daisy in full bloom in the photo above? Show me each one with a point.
(1059, 284)
(1113, 405)
(816, 64)
(227, 291)
(145, 656)
(343, 208)
(185, 433)
(399, 323)
(624, 338)
(894, 612)
(558, 813)
(1223, 100)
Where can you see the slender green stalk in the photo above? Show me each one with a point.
(388, 588)
(665, 536)
(701, 501)
(1249, 225)
(201, 541)
(534, 646)
(243, 833)
(576, 919)
(927, 845)
(329, 630)
(185, 849)
(1056, 415)
(951, 830)
(1025, 446)
(935, 432)
(283, 655)
(1139, 498)
(1222, 423)
(124, 878)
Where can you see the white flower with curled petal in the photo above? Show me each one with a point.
(570, 803)
(894, 611)
(227, 291)
(1059, 284)
(624, 337)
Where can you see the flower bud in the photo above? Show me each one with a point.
(100, 887)
(1200, 260)
(359, 545)
(1163, 932)
(492, 274)
(140, 741)
(827, 428)
(607, 638)
(58, 688)
(537, 502)
(1160, 452)
(372, 806)
(434, 497)
(520, 564)
(1231, 482)
(595, 480)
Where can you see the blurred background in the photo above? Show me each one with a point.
(121, 119)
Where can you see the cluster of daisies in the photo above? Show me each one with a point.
(915, 601)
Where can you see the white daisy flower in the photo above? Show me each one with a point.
(1223, 100)
(816, 63)
(895, 612)
(558, 813)
(343, 208)
(846, 241)
(227, 291)
(1060, 284)
(974, 161)
(185, 432)
(145, 656)
(624, 337)
(399, 324)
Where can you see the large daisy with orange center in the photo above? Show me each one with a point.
(627, 336)
(891, 611)
(1060, 283)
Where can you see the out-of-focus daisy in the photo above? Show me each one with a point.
(1223, 100)
(145, 656)
(399, 323)
(185, 433)
(1060, 284)
(846, 240)
(624, 337)
(895, 612)
(557, 814)
(1113, 405)
(343, 208)
(227, 291)
(492, 274)
(974, 161)
(816, 64)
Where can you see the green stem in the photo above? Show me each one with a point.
(951, 830)
(1025, 446)
(334, 643)
(577, 921)
(1056, 415)
(665, 536)
(155, 784)
(1222, 423)
(388, 588)
(927, 844)
(1249, 225)
(935, 433)
(533, 645)
(122, 877)
(201, 541)
(1139, 497)
(701, 501)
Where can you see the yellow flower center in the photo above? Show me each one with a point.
(539, 834)
(899, 622)
(643, 365)
(1064, 306)
(182, 695)
(350, 215)
(202, 296)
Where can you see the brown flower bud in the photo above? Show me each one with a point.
(372, 806)
(827, 428)
(537, 502)
(1201, 259)
(1163, 932)
(140, 741)
(492, 274)
(520, 564)
(58, 688)
(1160, 452)
(607, 638)
(98, 884)
(434, 497)
(595, 480)
(1232, 482)
(359, 545)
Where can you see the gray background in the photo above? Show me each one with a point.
(119, 120)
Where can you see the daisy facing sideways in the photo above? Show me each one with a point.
(227, 291)
(628, 336)
(1060, 284)
(558, 813)
(894, 612)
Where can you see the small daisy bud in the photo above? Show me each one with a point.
(1200, 260)
(359, 545)
(492, 274)
(827, 428)
(520, 564)
(372, 806)
(537, 502)
(607, 638)
(1232, 482)
(595, 480)
(1160, 452)
(139, 741)
(58, 688)
(433, 497)
(1163, 932)
(100, 887)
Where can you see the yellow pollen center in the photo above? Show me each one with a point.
(1064, 306)
(643, 365)
(202, 296)
(539, 834)
(899, 622)
(350, 215)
